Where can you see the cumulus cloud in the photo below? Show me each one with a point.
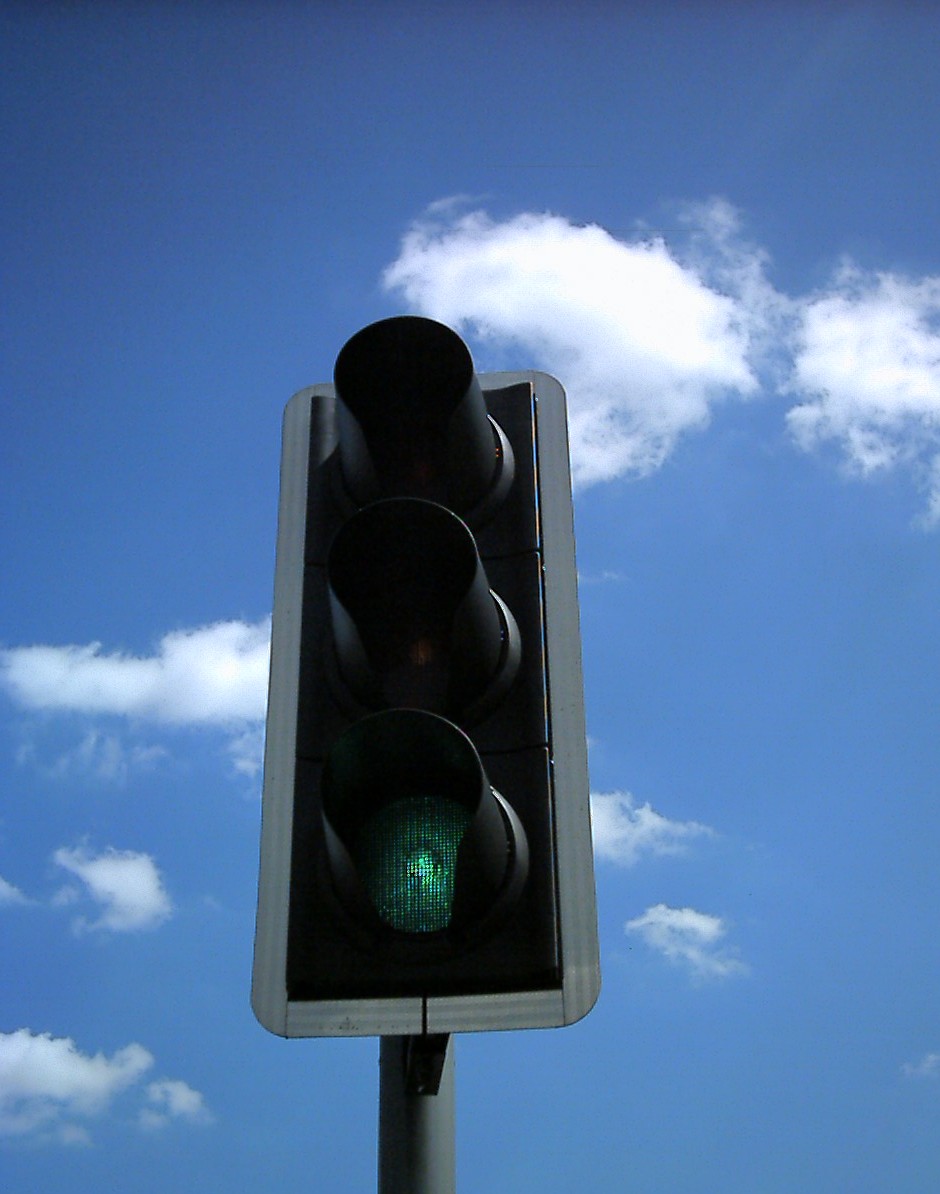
(171, 1099)
(867, 366)
(126, 887)
(49, 1089)
(10, 894)
(45, 1082)
(688, 938)
(649, 336)
(211, 675)
(624, 831)
(927, 1067)
(646, 346)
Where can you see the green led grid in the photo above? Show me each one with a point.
(407, 860)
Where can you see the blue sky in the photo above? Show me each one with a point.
(717, 226)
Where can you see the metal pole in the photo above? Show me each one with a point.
(417, 1152)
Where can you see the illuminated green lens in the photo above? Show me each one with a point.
(408, 861)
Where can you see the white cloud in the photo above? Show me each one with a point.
(605, 576)
(246, 750)
(867, 361)
(126, 886)
(645, 345)
(927, 1067)
(733, 266)
(213, 675)
(100, 754)
(648, 337)
(10, 894)
(45, 1080)
(171, 1099)
(624, 831)
(689, 938)
(46, 1084)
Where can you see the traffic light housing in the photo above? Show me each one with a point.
(426, 860)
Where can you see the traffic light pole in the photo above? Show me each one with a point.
(417, 1153)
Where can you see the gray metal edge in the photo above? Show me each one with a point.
(268, 995)
(574, 847)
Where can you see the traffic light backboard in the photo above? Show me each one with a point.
(426, 859)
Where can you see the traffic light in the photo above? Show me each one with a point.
(426, 859)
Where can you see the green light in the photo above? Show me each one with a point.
(407, 860)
